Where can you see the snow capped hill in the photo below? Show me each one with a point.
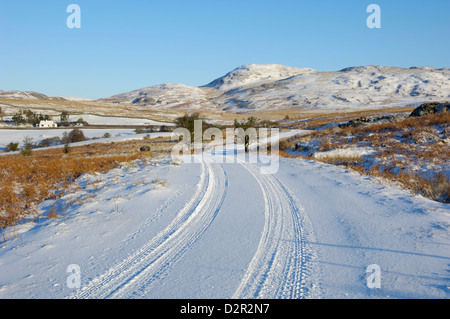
(165, 95)
(277, 87)
(26, 95)
(272, 87)
(355, 87)
(254, 73)
(31, 95)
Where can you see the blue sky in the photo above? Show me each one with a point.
(127, 45)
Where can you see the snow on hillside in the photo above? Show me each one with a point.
(24, 95)
(165, 95)
(31, 95)
(357, 87)
(271, 87)
(255, 73)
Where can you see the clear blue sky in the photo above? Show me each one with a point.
(127, 45)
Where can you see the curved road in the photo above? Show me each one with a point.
(245, 234)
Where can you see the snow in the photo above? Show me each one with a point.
(77, 99)
(272, 86)
(359, 222)
(38, 134)
(167, 95)
(17, 136)
(7, 136)
(255, 74)
(225, 230)
(109, 120)
(351, 152)
(22, 95)
(356, 87)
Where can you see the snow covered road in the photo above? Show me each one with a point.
(279, 266)
(228, 231)
(138, 271)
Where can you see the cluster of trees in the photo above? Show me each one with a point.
(188, 122)
(251, 122)
(76, 135)
(29, 117)
(64, 119)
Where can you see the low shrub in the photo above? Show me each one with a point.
(12, 147)
(74, 136)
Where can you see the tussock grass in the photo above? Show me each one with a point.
(315, 119)
(160, 182)
(50, 174)
(413, 152)
(436, 187)
(342, 160)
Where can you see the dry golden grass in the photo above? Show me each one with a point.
(318, 118)
(400, 147)
(342, 160)
(26, 181)
(437, 187)
(106, 108)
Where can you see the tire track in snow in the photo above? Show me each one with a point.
(148, 263)
(280, 266)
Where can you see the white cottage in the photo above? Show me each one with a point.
(47, 124)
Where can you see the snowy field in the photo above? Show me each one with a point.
(17, 136)
(109, 120)
(7, 136)
(225, 230)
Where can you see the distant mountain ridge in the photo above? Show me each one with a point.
(26, 95)
(31, 95)
(278, 87)
(273, 86)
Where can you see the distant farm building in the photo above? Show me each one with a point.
(47, 124)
